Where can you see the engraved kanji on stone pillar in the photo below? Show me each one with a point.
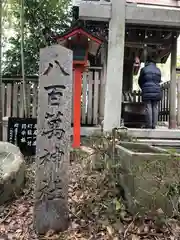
(53, 139)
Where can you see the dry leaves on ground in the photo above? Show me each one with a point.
(96, 212)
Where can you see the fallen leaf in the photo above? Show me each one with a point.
(135, 237)
(118, 205)
(110, 230)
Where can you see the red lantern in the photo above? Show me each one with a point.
(81, 43)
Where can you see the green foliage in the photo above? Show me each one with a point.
(42, 17)
(178, 61)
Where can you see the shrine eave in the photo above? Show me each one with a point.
(79, 30)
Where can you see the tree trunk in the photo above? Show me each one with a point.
(1, 112)
(22, 59)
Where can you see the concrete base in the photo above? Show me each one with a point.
(159, 134)
(147, 176)
(85, 131)
(172, 146)
(163, 133)
(160, 142)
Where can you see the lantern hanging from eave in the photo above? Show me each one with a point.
(82, 43)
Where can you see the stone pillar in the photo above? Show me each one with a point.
(103, 82)
(128, 76)
(114, 81)
(53, 139)
(173, 85)
(178, 101)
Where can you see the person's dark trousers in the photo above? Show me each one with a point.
(151, 111)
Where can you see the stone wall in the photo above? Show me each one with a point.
(148, 176)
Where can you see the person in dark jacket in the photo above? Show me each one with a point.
(149, 82)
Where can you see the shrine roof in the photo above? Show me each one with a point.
(82, 30)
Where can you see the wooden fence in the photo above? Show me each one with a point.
(12, 96)
(135, 96)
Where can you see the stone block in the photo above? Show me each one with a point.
(150, 177)
(53, 139)
(12, 171)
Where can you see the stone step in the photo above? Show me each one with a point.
(161, 133)
(160, 142)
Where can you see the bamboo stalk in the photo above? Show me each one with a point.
(22, 59)
(1, 109)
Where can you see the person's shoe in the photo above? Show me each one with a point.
(153, 127)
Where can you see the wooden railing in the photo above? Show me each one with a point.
(164, 103)
(91, 97)
(135, 96)
(12, 96)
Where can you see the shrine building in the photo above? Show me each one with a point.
(110, 39)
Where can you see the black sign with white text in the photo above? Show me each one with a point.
(22, 132)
